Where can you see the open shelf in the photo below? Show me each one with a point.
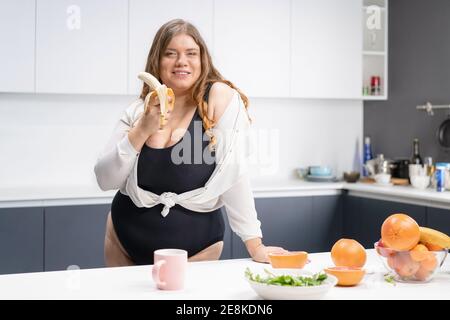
(365, 8)
(369, 98)
(375, 52)
(380, 3)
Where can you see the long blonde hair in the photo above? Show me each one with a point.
(209, 74)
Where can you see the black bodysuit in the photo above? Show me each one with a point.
(141, 231)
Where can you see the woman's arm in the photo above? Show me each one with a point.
(117, 159)
(240, 207)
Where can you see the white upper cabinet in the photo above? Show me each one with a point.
(326, 49)
(251, 45)
(146, 17)
(267, 48)
(17, 29)
(81, 46)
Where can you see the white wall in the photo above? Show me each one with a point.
(309, 132)
(51, 140)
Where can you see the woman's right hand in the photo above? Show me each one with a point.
(149, 123)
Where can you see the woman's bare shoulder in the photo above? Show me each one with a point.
(219, 98)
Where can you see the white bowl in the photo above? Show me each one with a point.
(420, 182)
(277, 292)
(383, 178)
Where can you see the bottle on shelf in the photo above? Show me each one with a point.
(416, 159)
(368, 155)
(375, 84)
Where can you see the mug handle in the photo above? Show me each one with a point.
(155, 273)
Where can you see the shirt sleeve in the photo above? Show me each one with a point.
(241, 212)
(118, 157)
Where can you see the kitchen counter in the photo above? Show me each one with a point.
(407, 194)
(53, 196)
(205, 281)
(84, 195)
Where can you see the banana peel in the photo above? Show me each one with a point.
(163, 93)
(434, 237)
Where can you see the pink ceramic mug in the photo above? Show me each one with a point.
(169, 268)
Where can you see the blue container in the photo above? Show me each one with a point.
(440, 179)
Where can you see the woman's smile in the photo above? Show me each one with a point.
(181, 74)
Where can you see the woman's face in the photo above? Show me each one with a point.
(180, 65)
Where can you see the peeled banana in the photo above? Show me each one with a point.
(431, 236)
(163, 94)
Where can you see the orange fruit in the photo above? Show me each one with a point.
(419, 252)
(293, 259)
(433, 247)
(348, 253)
(405, 266)
(430, 263)
(400, 232)
(422, 274)
(346, 276)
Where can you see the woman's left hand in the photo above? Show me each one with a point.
(261, 253)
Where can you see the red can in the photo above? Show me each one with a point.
(375, 81)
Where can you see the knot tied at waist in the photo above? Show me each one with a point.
(168, 199)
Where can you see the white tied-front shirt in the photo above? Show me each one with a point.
(228, 185)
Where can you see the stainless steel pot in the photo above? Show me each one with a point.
(378, 165)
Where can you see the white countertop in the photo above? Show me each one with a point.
(31, 196)
(83, 195)
(407, 194)
(205, 281)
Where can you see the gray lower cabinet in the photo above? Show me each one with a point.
(363, 217)
(74, 235)
(284, 222)
(327, 223)
(21, 240)
(53, 238)
(311, 224)
(439, 219)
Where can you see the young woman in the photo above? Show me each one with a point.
(173, 181)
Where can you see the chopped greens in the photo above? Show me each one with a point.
(389, 278)
(287, 280)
